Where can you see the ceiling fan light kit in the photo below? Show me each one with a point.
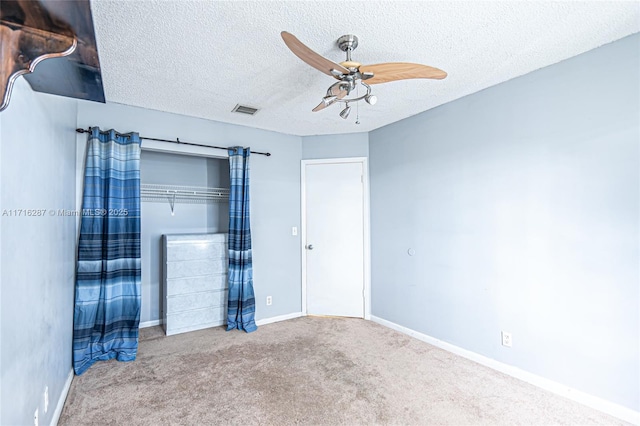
(329, 99)
(352, 74)
(345, 112)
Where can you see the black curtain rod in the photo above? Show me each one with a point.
(268, 154)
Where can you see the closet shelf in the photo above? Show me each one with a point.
(183, 194)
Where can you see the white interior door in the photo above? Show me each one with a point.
(334, 246)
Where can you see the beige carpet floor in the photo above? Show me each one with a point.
(314, 371)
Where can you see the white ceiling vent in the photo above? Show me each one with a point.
(243, 109)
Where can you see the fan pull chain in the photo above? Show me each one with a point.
(358, 105)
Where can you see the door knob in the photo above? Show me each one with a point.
(310, 247)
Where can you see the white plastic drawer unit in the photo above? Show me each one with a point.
(195, 281)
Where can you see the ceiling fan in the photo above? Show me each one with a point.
(351, 74)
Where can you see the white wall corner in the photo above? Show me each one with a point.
(583, 398)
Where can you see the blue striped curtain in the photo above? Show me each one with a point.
(107, 303)
(242, 303)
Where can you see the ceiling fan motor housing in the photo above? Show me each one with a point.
(347, 42)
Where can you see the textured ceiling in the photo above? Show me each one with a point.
(201, 58)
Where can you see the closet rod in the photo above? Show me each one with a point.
(268, 154)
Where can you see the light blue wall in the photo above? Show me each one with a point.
(275, 189)
(37, 146)
(171, 169)
(521, 202)
(335, 146)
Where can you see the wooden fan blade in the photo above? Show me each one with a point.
(310, 57)
(336, 91)
(321, 106)
(392, 71)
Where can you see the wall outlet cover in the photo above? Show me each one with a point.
(506, 339)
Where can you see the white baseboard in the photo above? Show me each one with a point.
(63, 397)
(594, 402)
(147, 324)
(264, 321)
(279, 318)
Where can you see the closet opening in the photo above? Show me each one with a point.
(197, 213)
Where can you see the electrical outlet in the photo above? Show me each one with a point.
(506, 339)
(294, 231)
(46, 399)
(269, 300)
(35, 418)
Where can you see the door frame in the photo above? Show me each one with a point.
(366, 230)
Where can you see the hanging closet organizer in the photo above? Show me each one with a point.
(183, 194)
